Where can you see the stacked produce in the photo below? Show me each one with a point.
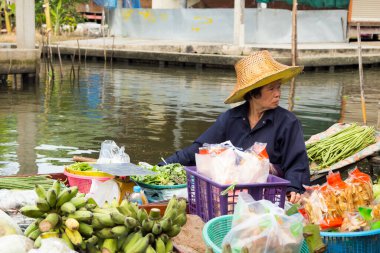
(169, 174)
(339, 146)
(86, 227)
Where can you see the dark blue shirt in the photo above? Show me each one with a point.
(278, 128)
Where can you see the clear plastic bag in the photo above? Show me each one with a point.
(261, 226)
(15, 244)
(225, 164)
(8, 226)
(111, 153)
(52, 245)
(14, 199)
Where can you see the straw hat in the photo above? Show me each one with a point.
(257, 70)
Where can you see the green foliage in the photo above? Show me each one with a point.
(63, 12)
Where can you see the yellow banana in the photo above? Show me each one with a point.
(66, 239)
(74, 236)
(72, 224)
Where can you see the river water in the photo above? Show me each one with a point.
(152, 111)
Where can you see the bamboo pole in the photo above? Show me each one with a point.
(47, 15)
(361, 79)
(7, 17)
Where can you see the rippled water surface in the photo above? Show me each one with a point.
(151, 111)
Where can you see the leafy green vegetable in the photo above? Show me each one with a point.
(170, 174)
(81, 166)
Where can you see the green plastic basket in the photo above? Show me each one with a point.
(216, 229)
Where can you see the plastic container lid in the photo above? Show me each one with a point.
(136, 188)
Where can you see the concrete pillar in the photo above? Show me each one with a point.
(239, 6)
(25, 24)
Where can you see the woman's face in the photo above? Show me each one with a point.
(270, 96)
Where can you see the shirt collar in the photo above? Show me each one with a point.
(241, 111)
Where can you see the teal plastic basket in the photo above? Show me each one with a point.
(216, 229)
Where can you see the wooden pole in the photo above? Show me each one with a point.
(294, 55)
(361, 79)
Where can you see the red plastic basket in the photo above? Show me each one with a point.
(82, 182)
(206, 201)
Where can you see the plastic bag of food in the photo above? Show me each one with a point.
(8, 226)
(111, 153)
(361, 188)
(14, 199)
(50, 245)
(226, 164)
(15, 244)
(261, 226)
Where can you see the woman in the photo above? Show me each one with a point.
(260, 119)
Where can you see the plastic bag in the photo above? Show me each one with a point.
(158, 195)
(15, 244)
(50, 245)
(104, 191)
(111, 153)
(8, 226)
(261, 226)
(225, 164)
(14, 199)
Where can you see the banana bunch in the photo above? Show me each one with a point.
(112, 228)
(59, 212)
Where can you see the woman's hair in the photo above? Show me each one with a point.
(255, 93)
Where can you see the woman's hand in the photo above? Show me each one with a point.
(293, 197)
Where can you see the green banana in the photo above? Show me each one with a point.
(43, 204)
(118, 218)
(90, 206)
(63, 197)
(104, 219)
(85, 216)
(180, 220)
(31, 211)
(147, 225)
(78, 202)
(74, 191)
(119, 230)
(140, 246)
(155, 214)
(172, 204)
(41, 192)
(85, 229)
(51, 197)
(174, 231)
(32, 226)
(49, 222)
(142, 215)
(150, 249)
(68, 208)
(56, 187)
(37, 242)
(164, 237)
(123, 208)
(160, 246)
(130, 222)
(182, 206)
(105, 233)
(169, 246)
(166, 224)
(93, 240)
(157, 229)
(109, 245)
(96, 224)
(93, 249)
(131, 240)
(34, 234)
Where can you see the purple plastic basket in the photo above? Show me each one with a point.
(206, 201)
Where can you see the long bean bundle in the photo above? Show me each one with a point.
(340, 145)
(25, 183)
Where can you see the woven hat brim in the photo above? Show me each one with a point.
(283, 75)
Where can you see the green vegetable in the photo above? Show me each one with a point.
(81, 166)
(170, 174)
(25, 183)
(341, 145)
